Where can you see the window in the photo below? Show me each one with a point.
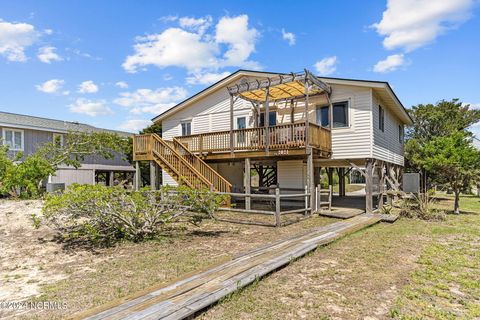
(186, 128)
(58, 139)
(400, 134)
(241, 124)
(340, 115)
(272, 119)
(381, 118)
(13, 139)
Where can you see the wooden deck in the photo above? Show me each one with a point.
(192, 294)
(282, 140)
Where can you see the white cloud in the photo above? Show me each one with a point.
(87, 87)
(206, 78)
(410, 24)
(193, 48)
(166, 19)
(51, 86)
(151, 101)
(199, 25)
(15, 38)
(135, 125)
(241, 39)
(391, 63)
(121, 84)
(48, 54)
(173, 47)
(289, 37)
(91, 108)
(326, 66)
(475, 106)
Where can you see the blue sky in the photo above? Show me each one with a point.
(117, 64)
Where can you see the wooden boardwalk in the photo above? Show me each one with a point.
(190, 295)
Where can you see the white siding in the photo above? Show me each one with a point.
(212, 113)
(354, 141)
(386, 144)
(291, 174)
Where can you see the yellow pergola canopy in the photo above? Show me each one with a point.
(288, 86)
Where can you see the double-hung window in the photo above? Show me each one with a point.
(13, 138)
(340, 115)
(400, 134)
(186, 128)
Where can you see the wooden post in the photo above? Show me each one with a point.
(306, 200)
(330, 193)
(307, 120)
(341, 182)
(369, 186)
(267, 119)
(318, 197)
(138, 177)
(330, 176)
(381, 186)
(310, 182)
(110, 178)
(330, 114)
(278, 222)
(231, 124)
(247, 183)
(153, 175)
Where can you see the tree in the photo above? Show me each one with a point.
(439, 144)
(455, 160)
(22, 176)
(79, 145)
(128, 150)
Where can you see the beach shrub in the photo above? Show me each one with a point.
(104, 215)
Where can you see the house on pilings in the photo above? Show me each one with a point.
(283, 129)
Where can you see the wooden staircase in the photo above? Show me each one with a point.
(185, 167)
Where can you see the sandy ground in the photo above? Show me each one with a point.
(29, 257)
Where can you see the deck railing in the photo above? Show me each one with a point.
(281, 137)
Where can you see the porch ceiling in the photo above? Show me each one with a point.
(281, 87)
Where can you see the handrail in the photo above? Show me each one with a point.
(177, 163)
(219, 182)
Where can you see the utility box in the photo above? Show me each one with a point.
(411, 182)
(52, 187)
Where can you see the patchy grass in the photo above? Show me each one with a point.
(350, 187)
(90, 278)
(447, 283)
(411, 269)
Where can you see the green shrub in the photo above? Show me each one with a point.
(104, 215)
(421, 207)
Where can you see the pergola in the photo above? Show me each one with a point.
(283, 87)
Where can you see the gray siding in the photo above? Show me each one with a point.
(33, 139)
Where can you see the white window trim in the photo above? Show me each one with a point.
(191, 126)
(241, 116)
(349, 125)
(54, 135)
(14, 130)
